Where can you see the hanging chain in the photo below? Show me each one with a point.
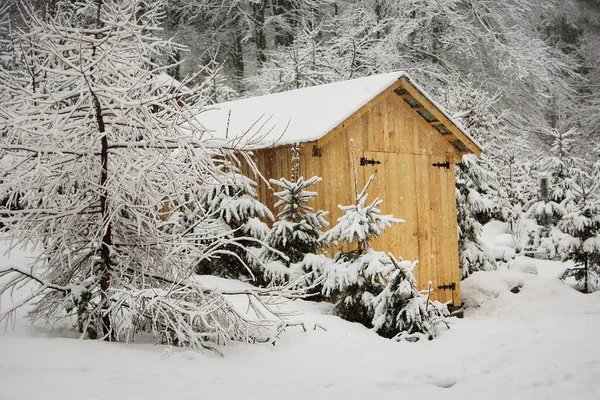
(295, 162)
(354, 169)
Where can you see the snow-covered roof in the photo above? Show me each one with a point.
(299, 116)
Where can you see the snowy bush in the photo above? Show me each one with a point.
(474, 202)
(559, 172)
(354, 280)
(401, 312)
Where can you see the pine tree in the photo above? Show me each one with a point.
(477, 190)
(232, 200)
(296, 234)
(582, 225)
(360, 274)
(370, 286)
(559, 172)
(472, 206)
(401, 312)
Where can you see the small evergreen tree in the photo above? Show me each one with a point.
(477, 195)
(232, 200)
(559, 170)
(401, 312)
(296, 233)
(582, 245)
(547, 213)
(472, 205)
(371, 287)
(358, 275)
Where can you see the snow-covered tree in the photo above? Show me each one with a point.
(232, 200)
(559, 172)
(359, 273)
(215, 88)
(547, 213)
(477, 189)
(370, 286)
(582, 225)
(472, 205)
(401, 312)
(296, 234)
(304, 63)
(99, 157)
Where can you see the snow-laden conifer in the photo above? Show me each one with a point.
(401, 312)
(232, 200)
(581, 224)
(359, 273)
(559, 172)
(295, 234)
(370, 286)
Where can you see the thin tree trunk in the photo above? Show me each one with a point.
(238, 55)
(104, 264)
(585, 278)
(104, 267)
(259, 31)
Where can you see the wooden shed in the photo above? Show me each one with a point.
(400, 135)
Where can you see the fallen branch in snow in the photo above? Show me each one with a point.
(320, 327)
(283, 326)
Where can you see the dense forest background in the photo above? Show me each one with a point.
(515, 71)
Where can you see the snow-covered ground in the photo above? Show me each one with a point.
(539, 343)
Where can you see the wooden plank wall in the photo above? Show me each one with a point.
(408, 146)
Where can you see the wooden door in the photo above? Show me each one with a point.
(413, 189)
(394, 183)
(437, 217)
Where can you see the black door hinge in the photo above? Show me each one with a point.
(442, 164)
(365, 161)
(448, 286)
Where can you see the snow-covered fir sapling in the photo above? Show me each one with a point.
(477, 197)
(559, 170)
(231, 198)
(471, 204)
(581, 224)
(297, 231)
(359, 273)
(546, 213)
(370, 286)
(401, 312)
